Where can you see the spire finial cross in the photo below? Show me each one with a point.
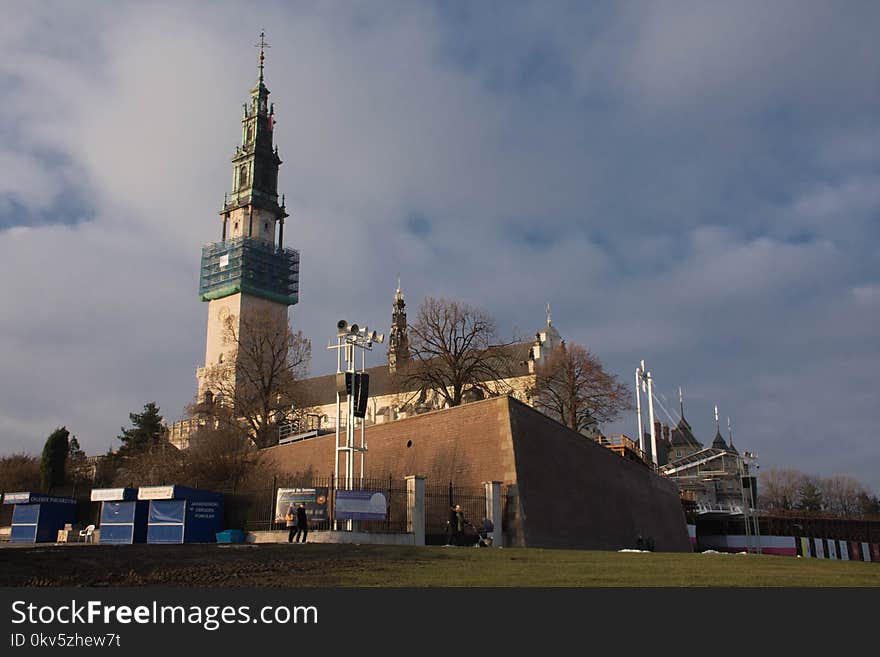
(262, 45)
(548, 314)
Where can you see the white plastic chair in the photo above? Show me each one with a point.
(88, 533)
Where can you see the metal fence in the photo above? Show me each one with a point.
(254, 509)
(438, 500)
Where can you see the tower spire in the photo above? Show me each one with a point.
(398, 340)
(681, 402)
(262, 45)
(718, 443)
(548, 315)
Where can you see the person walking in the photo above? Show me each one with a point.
(451, 522)
(302, 524)
(290, 519)
(458, 524)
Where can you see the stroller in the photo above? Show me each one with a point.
(481, 536)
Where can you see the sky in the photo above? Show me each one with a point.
(693, 184)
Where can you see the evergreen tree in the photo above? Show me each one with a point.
(810, 494)
(54, 459)
(75, 452)
(147, 431)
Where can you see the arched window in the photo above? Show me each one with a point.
(243, 176)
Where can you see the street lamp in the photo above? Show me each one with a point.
(354, 386)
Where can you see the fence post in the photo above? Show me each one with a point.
(331, 501)
(415, 508)
(272, 502)
(493, 511)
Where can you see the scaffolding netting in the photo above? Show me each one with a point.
(250, 266)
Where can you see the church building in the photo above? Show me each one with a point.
(392, 397)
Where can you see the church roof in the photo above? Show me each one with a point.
(320, 390)
(682, 434)
(719, 442)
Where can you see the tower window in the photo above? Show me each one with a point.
(235, 226)
(266, 226)
(242, 176)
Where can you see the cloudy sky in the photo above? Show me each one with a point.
(695, 184)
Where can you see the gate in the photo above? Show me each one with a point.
(438, 500)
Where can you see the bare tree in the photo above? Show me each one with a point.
(842, 494)
(257, 385)
(155, 466)
(573, 385)
(221, 456)
(19, 472)
(781, 488)
(453, 352)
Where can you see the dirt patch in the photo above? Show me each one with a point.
(179, 565)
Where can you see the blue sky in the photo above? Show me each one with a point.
(695, 184)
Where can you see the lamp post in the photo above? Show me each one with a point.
(351, 383)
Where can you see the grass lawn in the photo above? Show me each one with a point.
(321, 565)
(535, 567)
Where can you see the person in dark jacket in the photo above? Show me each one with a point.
(302, 524)
(451, 522)
(290, 519)
(457, 520)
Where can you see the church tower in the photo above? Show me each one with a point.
(398, 341)
(248, 274)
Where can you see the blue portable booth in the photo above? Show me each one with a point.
(123, 516)
(37, 517)
(182, 515)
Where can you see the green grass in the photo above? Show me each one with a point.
(322, 565)
(536, 567)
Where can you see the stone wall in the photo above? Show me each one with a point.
(563, 490)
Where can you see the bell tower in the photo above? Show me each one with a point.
(248, 272)
(398, 340)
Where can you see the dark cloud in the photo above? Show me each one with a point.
(698, 186)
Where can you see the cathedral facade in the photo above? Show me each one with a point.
(393, 397)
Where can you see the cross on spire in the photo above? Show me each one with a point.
(262, 45)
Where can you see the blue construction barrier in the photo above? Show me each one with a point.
(179, 514)
(123, 516)
(38, 517)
